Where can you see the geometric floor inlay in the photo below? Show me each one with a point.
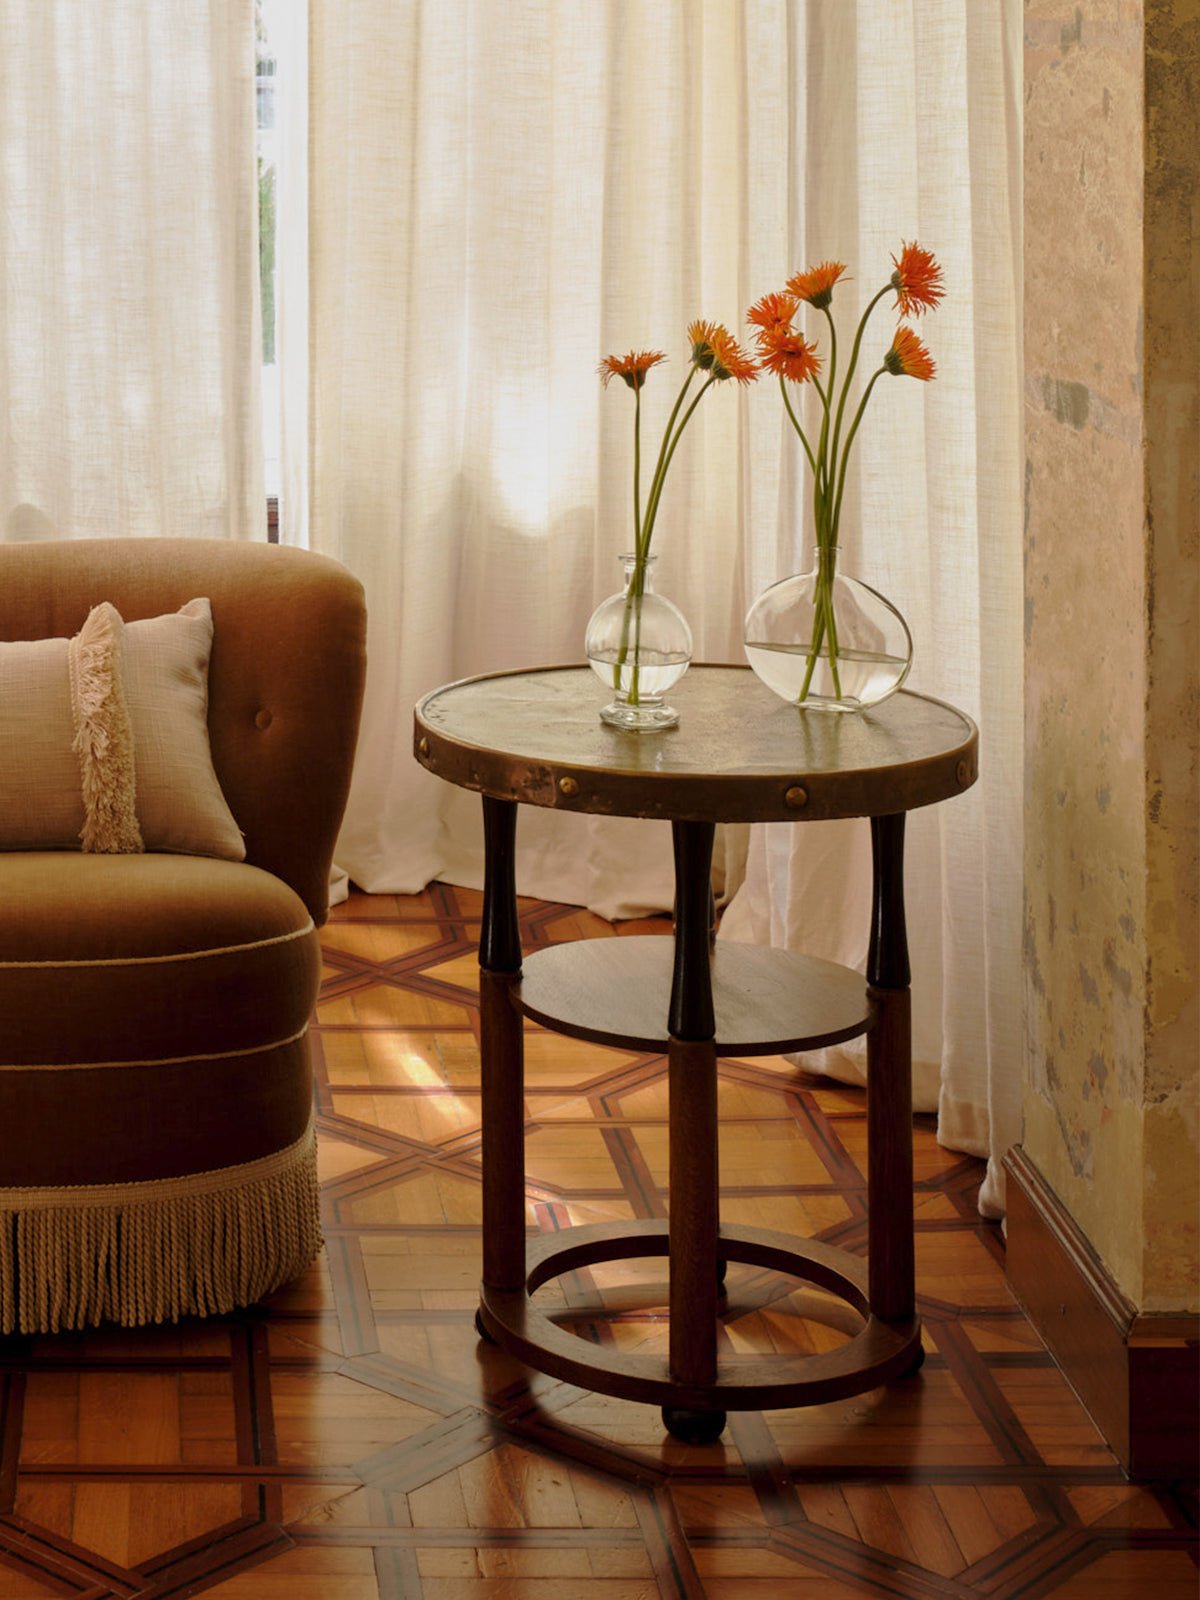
(352, 1439)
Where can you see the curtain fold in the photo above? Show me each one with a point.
(501, 193)
(130, 341)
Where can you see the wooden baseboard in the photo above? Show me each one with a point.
(1138, 1374)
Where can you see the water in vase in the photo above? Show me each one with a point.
(658, 670)
(866, 676)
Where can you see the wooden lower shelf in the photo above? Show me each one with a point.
(617, 992)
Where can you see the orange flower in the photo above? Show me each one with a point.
(816, 285)
(700, 337)
(908, 357)
(783, 350)
(715, 350)
(729, 360)
(633, 367)
(773, 311)
(917, 281)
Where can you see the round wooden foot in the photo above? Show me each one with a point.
(915, 1365)
(481, 1330)
(693, 1427)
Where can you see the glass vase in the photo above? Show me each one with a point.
(826, 642)
(639, 645)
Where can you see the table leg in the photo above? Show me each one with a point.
(502, 1054)
(889, 1084)
(692, 1062)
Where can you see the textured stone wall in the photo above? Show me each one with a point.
(1111, 714)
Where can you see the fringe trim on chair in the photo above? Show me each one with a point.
(103, 735)
(155, 1252)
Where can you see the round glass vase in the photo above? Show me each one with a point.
(826, 642)
(639, 645)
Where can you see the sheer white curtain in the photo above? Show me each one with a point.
(499, 193)
(911, 125)
(130, 346)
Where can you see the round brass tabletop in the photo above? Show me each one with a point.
(739, 753)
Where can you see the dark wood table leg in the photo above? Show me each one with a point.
(502, 1053)
(889, 1086)
(692, 1062)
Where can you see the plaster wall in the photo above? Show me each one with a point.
(1110, 798)
(1172, 462)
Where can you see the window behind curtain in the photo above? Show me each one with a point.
(264, 103)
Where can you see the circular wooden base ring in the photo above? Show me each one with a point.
(879, 1351)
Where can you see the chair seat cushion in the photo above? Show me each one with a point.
(153, 1011)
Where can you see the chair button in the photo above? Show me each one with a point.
(263, 719)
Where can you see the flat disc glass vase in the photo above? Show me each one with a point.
(826, 642)
(639, 645)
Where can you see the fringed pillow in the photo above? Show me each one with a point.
(103, 735)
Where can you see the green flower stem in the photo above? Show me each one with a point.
(829, 486)
(638, 583)
(633, 694)
(821, 467)
(831, 375)
(824, 624)
(850, 371)
(795, 424)
(814, 649)
(665, 456)
(661, 465)
(637, 463)
(633, 604)
(858, 416)
(827, 586)
(644, 528)
(825, 621)
(827, 394)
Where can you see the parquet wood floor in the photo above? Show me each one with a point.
(352, 1439)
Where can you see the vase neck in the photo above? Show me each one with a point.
(631, 566)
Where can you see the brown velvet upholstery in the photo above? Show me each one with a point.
(153, 1007)
(287, 666)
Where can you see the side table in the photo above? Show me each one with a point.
(739, 754)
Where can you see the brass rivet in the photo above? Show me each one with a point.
(962, 772)
(568, 786)
(796, 797)
(423, 747)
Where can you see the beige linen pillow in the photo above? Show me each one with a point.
(179, 801)
(109, 730)
(66, 746)
(41, 798)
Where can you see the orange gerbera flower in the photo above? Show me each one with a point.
(783, 350)
(908, 357)
(773, 311)
(632, 367)
(816, 285)
(729, 359)
(700, 337)
(917, 281)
